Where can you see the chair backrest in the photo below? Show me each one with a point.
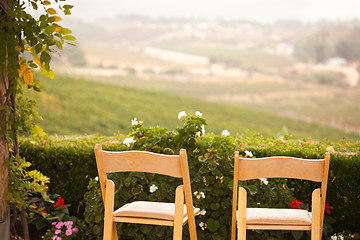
(283, 167)
(141, 161)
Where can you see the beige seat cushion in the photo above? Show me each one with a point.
(278, 216)
(143, 209)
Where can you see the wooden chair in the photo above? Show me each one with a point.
(279, 219)
(144, 212)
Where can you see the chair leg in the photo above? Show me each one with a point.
(114, 233)
(179, 208)
(241, 221)
(178, 228)
(315, 221)
(109, 208)
(108, 229)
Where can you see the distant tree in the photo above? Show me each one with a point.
(349, 47)
(76, 57)
(314, 48)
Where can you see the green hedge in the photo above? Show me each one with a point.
(70, 164)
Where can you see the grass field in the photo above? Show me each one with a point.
(77, 106)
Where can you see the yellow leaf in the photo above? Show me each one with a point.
(58, 29)
(18, 48)
(37, 61)
(22, 69)
(51, 11)
(28, 76)
(57, 19)
(46, 3)
(28, 49)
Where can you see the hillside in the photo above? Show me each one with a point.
(76, 106)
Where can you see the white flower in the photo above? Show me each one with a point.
(96, 178)
(128, 141)
(341, 237)
(134, 122)
(203, 212)
(225, 133)
(264, 180)
(181, 114)
(203, 226)
(221, 178)
(249, 153)
(153, 188)
(199, 195)
(334, 237)
(203, 129)
(197, 113)
(198, 134)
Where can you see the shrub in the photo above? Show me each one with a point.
(211, 171)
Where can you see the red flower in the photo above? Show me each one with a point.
(60, 203)
(295, 204)
(327, 209)
(42, 211)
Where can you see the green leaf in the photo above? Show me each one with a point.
(69, 38)
(67, 12)
(34, 5)
(45, 58)
(58, 44)
(67, 6)
(66, 31)
(214, 206)
(38, 48)
(212, 225)
(71, 44)
(252, 189)
(50, 29)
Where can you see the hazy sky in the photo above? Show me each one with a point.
(259, 10)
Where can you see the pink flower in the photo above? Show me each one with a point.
(75, 229)
(59, 225)
(68, 232)
(53, 223)
(57, 231)
(68, 224)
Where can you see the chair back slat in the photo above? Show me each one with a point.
(281, 167)
(140, 161)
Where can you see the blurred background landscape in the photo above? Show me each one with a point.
(268, 75)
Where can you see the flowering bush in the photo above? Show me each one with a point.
(211, 164)
(61, 231)
(47, 212)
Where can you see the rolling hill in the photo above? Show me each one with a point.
(72, 106)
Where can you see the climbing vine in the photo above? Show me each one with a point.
(30, 33)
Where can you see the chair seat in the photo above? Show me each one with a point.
(144, 209)
(275, 216)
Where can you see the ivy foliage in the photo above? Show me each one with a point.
(25, 183)
(34, 39)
